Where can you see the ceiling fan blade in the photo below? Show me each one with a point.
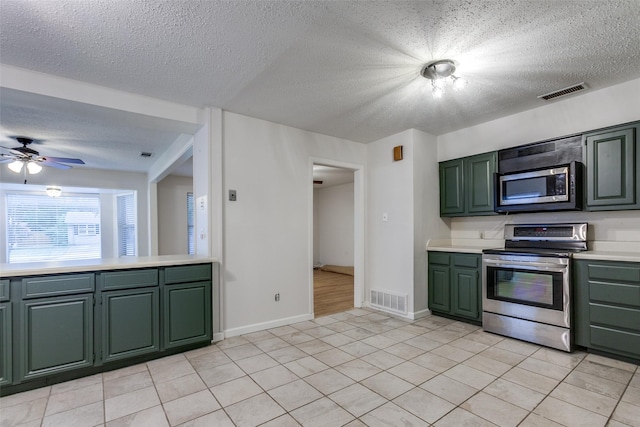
(62, 160)
(47, 162)
(13, 151)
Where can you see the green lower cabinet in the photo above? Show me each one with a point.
(5, 342)
(186, 314)
(454, 287)
(439, 292)
(464, 293)
(607, 306)
(56, 335)
(130, 322)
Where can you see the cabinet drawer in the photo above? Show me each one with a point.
(615, 293)
(129, 279)
(4, 290)
(439, 258)
(617, 317)
(187, 273)
(63, 284)
(620, 341)
(471, 261)
(614, 272)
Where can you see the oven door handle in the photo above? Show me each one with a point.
(527, 265)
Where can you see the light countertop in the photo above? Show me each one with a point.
(56, 267)
(604, 251)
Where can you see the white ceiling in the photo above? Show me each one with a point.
(349, 69)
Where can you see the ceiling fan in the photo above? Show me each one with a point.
(19, 157)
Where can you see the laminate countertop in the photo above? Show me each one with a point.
(102, 264)
(604, 251)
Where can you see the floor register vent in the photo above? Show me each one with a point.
(387, 301)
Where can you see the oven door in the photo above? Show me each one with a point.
(528, 287)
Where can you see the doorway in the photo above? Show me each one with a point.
(337, 228)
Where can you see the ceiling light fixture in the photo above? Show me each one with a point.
(54, 191)
(440, 73)
(17, 165)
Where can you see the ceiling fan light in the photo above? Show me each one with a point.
(459, 83)
(33, 168)
(54, 191)
(16, 166)
(440, 83)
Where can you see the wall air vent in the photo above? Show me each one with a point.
(318, 182)
(387, 301)
(562, 92)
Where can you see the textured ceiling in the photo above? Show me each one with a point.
(349, 69)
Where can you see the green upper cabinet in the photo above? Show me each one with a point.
(612, 157)
(466, 185)
(451, 188)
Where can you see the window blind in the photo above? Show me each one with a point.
(126, 206)
(191, 244)
(43, 228)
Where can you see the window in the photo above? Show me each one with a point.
(126, 206)
(43, 228)
(191, 249)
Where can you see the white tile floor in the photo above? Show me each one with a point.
(355, 368)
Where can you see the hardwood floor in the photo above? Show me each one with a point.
(332, 292)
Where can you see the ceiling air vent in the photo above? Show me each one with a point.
(146, 154)
(562, 92)
(317, 182)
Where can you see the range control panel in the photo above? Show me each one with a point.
(557, 232)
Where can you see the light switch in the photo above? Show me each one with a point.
(385, 217)
(232, 195)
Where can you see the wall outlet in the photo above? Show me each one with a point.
(232, 195)
(277, 297)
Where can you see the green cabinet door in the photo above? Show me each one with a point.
(186, 313)
(451, 187)
(466, 185)
(580, 289)
(465, 291)
(56, 335)
(612, 159)
(479, 185)
(130, 322)
(5, 341)
(439, 289)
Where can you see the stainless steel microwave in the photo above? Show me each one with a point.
(543, 189)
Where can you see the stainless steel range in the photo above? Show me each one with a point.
(527, 285)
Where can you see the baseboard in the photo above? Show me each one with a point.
(265, 325)
(420, 314)
(408, 316)
(218, 336)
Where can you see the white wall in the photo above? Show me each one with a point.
(426, 204)
(267, 230)
(390, 254)
(407, 191)
(172, 214)
(607, 107)
(316, 228)
(335, 224)
(592, 110)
